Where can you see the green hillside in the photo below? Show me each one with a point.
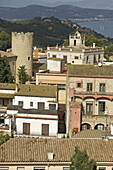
(47, 31)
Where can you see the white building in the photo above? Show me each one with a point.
(36, 123)
(77, 52)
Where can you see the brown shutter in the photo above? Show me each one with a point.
(26, 128)
(45, 129)
(41, 105)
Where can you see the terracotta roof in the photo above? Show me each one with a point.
(36, 150)
(92, 134)
(29, 90)
(8, 54)
(36, 90)
(90, 70)
(7, 86)
(6, 95)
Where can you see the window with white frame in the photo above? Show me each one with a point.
(4, 168)
(52, 106)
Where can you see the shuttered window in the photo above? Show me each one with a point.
(45, 129)
(26, 128)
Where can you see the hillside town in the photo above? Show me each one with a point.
(67, 101)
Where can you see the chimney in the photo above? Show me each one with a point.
(16, 87)
(93, 45)
(50, 155)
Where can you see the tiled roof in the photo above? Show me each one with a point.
(8, 54)
(11, 96)
(36, 90)
(91, 134)
(90, 70)
(36, 150)
(7, 86)
(29, 90)
(36, 111)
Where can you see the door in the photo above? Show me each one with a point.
(45, 129)
(26, 128)
(41, 105)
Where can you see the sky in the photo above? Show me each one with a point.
(96, 4)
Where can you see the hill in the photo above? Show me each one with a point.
(61, 12)
(47, 31)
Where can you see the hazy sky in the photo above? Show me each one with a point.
(105, 4)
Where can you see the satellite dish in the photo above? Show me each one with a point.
(100, 64)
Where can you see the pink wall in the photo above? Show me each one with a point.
(75, 117)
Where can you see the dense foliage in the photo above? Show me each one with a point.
(22, 75)
(81, 161)
(107, 50)
(5, 41)
(5, 72)
(3, 138)
(89, 40)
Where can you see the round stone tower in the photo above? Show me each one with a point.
(22, 46)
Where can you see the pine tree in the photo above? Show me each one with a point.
(22, 75)
(81, 161)
(5, 72)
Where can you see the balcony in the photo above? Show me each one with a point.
(95, 95)
(4, 127)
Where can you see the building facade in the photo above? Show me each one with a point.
(77, 52)
(92, 86)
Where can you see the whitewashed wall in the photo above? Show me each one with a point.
(36, 125)
(26, 101)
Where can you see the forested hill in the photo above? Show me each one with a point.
(61, 12)
(47, 31)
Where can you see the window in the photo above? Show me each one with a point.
(41, 105)
(89, 108)
(20, 103)
(102, 168)
(61, 86)
(45, 129)
(76, 57)
(4, 168)
(85, 126)
(52, 106)
(31, 104)
(39, 168)
(78, 85)
(101, 108)
(54, 56)
(66, 168)
(28, 58)
(65, 59)
(13, 66)
(74, 42)
(89, 87)
(20, 168)
(102, 87)
(26, 128)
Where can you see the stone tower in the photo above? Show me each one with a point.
(22, 46)
(76, 40)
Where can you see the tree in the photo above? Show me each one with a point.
(89, 40)
(5, 72)
(22, 75)
(81, 161)
(3, 138)
(107, 50)
(5, 41)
